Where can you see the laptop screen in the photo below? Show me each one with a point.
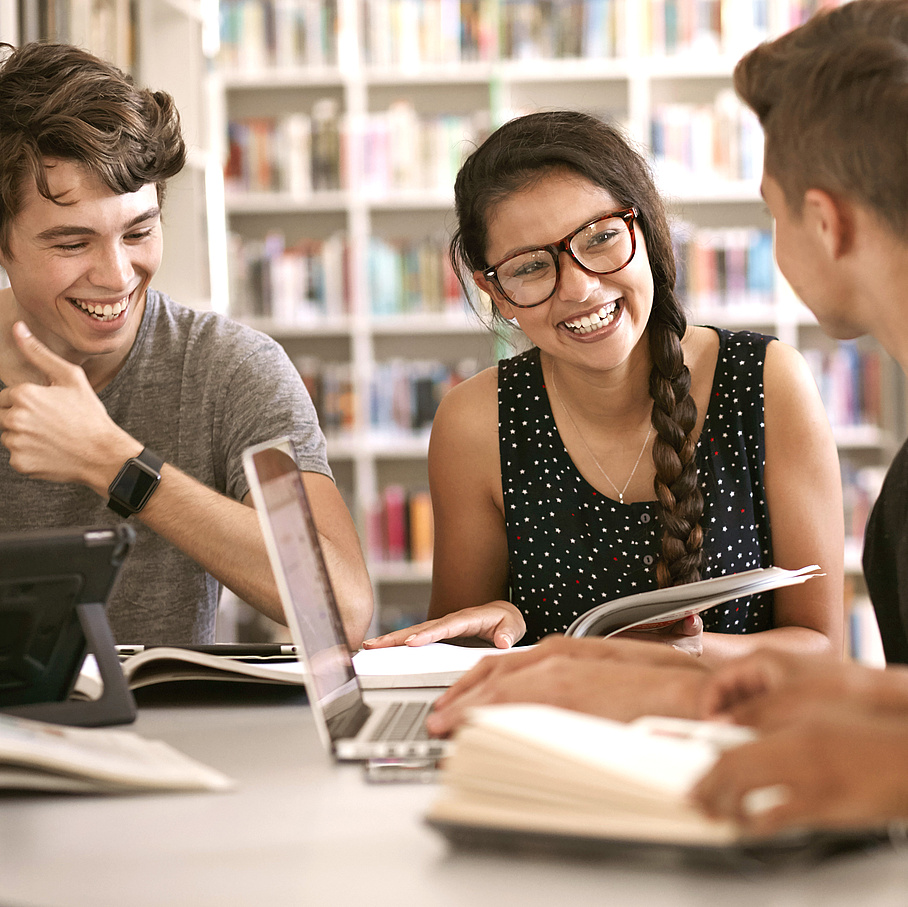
(302, 577)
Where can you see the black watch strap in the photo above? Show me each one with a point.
(150, 458)
(135, 483)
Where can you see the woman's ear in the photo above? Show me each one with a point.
(505, 309)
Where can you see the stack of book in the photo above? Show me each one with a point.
(401, 527)
(256, 34)
(294, 284)
(298, 153)
(405, 393)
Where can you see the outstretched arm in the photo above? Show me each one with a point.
(470, 562)
(61, 432)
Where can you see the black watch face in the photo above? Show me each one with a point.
(135, 484)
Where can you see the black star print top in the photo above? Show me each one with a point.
(572, 547)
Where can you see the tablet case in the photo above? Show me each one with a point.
(54, 586)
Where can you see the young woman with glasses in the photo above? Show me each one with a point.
(626, 449)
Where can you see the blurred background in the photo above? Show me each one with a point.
(324, 139)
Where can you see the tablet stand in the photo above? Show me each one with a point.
(116, 704)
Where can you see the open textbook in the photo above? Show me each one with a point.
(35, 755)
(434, 665)
(540, 778)
(661, 607)
(166, 664)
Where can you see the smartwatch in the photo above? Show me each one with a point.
(135, 483)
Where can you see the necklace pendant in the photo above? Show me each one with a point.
(620, 497)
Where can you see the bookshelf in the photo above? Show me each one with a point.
(346, 122)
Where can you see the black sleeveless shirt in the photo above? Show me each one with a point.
(572, 547)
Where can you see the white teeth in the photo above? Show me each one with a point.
(589, 323)
(106, 312)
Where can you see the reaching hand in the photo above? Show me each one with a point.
(768, 689)
(500, 622)
(685, 635)
(834, 770)
(617, 679)
(59, 431)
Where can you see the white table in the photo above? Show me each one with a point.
(299, 830)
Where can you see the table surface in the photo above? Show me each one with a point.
(300, 830)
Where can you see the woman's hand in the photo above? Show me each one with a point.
(499, 622)
(685, 635)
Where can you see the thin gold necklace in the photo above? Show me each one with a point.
(592, 455)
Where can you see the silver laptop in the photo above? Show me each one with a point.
(349, 727)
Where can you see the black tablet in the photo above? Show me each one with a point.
(52, 583)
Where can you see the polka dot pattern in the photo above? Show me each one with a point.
(572, 547)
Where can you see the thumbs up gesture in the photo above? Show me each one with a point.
(59, 430)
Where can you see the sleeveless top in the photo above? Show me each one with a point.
(571, 547)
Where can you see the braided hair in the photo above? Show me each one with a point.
(535, 145)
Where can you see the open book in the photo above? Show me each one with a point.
(164, 664)
(38, 756)
(662, 607)
(536, 777)
(434, 665)
(437, 664)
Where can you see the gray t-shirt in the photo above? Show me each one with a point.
(196, 388)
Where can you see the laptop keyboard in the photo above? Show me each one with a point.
(402, 721)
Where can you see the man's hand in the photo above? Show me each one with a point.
(837, 770)
(618, 679)
(60, 431)
(770, 689)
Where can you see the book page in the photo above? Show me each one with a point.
(676, 602)
(435, 664)
(55, 757)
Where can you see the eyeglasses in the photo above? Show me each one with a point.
(602, 246)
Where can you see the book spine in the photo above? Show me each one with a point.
(330, 385)
(404, 394)
(727, 269)
(707, 140)
(849, 380)
(400, 526)
(292, 285)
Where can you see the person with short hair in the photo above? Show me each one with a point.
(115, 401)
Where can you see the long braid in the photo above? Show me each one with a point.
(674, 455)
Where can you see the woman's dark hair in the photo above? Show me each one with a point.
(513, 157)
(58, 101)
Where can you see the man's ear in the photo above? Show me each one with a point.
(832, 221)
(505, 309)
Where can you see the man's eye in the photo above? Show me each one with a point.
(139, 235)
